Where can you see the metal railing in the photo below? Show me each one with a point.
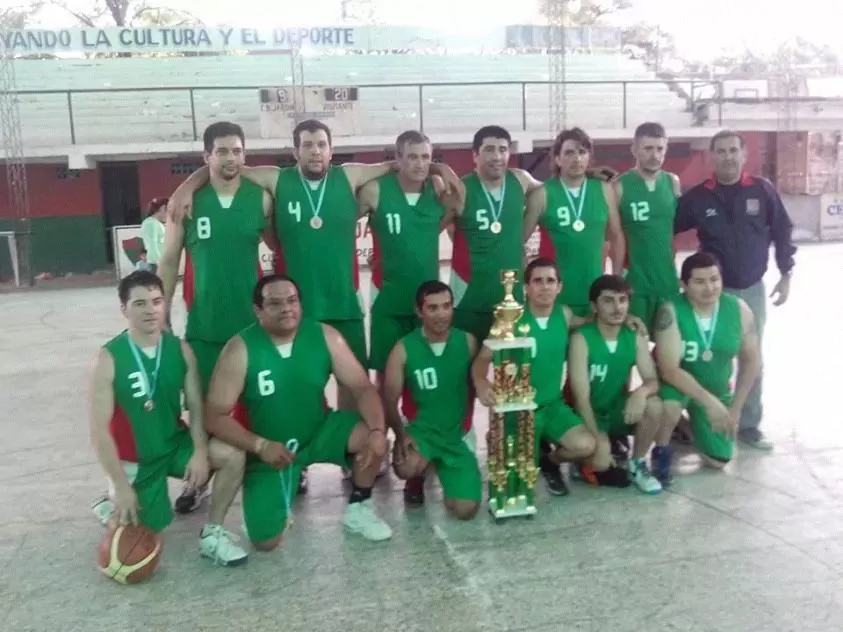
(431, 107)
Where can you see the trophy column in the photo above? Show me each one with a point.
(511, 439)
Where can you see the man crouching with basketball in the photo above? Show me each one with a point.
(136, 429)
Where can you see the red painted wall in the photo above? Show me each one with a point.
(51, 196)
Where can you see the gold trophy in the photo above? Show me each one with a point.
(511, 438)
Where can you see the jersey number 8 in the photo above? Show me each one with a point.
(266, 386)
(203, 228)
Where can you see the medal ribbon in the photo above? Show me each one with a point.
(317, 208)
(708, 337)
(576, 209)
(151, 384)
(497, 209)
(287, 479)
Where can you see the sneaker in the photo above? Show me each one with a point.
(414, 492)
(103, 509)
(642, 478)
(754, 438)
(620, 448)
(302, 482)
(552, 474)
(613, 477)
(217, 544)
(190, 499)
(361, 518)
(661, 460)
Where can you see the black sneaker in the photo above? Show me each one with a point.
(553, 476)
(661, 459)
(190, 499)
(414, 492)
(302, 482)
(620, 448)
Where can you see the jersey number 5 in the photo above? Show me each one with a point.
(426, 378)
(266, 386)
(203, 228)
(640, 211)
(482, 219)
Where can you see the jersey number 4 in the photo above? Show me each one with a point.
(426, 378)
(640, 211)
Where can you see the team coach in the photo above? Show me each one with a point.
(737, 217)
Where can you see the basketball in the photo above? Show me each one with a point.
(129, 554)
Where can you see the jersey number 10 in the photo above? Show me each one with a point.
(426, 378)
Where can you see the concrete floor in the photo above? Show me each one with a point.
(757, 548)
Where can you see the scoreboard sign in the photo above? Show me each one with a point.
(283, 108)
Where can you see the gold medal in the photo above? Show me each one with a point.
(316, 223)
(496, 227)
(707, 355)
(149, 406)
(579, 225)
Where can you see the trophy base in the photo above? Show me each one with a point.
(518, 343)
(514, 407)
(518, 509)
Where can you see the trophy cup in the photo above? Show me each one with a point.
(511, 438)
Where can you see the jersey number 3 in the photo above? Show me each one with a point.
(690, 351)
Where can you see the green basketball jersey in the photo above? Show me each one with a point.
(143, 436)
(406, 245)
(647, 218)
(716, 374)
(438, 384)
(223, 246)
(549, 355)
(481, 254)
(609, 370)
(284, 396)
(322, 261)
(579, 255)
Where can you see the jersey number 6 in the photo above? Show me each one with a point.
(266, 386)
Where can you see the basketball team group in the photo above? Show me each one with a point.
(624, 366)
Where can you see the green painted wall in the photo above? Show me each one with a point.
(61, 245)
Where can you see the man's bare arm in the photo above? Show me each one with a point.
(367, 198)
(536, 208)
(359, 173)
(193, 398)
(268, 204)
(352, 375)
(528, 182)
(677, 185)
(181, 201)
(614, 230)
(574, 321)
(226, 386)
(669, 357)
(646, 367)
(451, 200)
(266, 177)
(393, 387)
(749, 358)
(168, 265)
(580, 384)
(101, 410)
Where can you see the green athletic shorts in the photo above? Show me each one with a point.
(645, 308)
(553, 421)
(456, 465)
(207, 354)
(150, 483)
(386, 331)
(716, 445)
(477, 324)
(354, 333)
(264, 503)
(610, 421)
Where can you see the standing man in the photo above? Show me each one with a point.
(222, 238)
(737, 216)
(601, 357)
(550, 324)
(138, 381)
(648, 197)
(576, 214)
(699, 335)
(432, 365)
(488, 231)
(278, 368)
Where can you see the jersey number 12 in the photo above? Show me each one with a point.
(640, 211)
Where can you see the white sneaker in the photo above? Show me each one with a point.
(361, 518)
(640, 474)
(217, 544)
(103, 508)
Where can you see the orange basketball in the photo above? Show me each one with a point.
(129, 554)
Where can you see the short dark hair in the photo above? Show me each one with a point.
(540, 262)
(155, 204)
(269, 279)
(489, 131)
(138, 278)
(608, 283)
(726, 133)
(312, 126)
(428, 288)
(650, 130)
(221, 129)
(697, 261)
(410, 136)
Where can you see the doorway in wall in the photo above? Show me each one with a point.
(121, 205)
